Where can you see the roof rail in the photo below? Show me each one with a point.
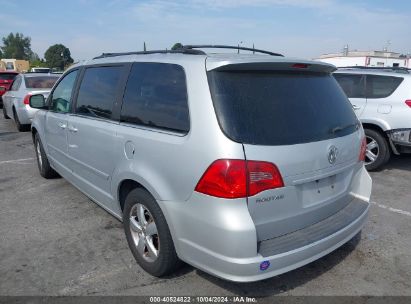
(395, 69)
(206, 46)
(178, 51)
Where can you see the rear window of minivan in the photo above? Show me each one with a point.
(280, 108)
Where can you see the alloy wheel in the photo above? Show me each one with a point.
(373, 150)
(39, 157)
(144, 232)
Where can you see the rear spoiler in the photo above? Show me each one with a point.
(289, 65)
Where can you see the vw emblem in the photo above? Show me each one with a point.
(332, 154)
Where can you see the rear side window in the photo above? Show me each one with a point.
(98, 91)
(382, 86)
(352, 85)
(7, 76)
(156, 96)
(280, 108)
(16, 84)
(40, 82)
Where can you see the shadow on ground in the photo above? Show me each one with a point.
(398, 162)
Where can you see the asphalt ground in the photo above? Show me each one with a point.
(55, 241)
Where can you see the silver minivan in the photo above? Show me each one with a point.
(243, 165)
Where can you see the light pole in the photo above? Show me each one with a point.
(62, 58)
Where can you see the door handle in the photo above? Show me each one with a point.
(62, 125)
(355, 107)
(72, 129)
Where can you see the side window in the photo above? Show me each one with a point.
(98, 91)
(352, 84)
(156, 96)
(382, 86)
(61, 97)
(16, 84)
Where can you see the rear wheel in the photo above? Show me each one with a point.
(19, 126)
(42, 162)
(5, 113)
(378, 150)
(148, 235)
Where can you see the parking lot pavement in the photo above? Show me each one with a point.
(55, 241)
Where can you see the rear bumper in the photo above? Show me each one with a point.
(283, 253)
(26, 114)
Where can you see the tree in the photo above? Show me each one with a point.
(16, 46)
(58, 56)
(177, 46)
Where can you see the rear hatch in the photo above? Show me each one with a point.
(295, 116)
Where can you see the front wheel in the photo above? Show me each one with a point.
(378, 151)
(42, 162)
(148, 235)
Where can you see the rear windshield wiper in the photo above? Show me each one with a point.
(341, 128)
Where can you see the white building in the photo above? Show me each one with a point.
(367, 58)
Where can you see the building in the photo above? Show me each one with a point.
(367, 58)
(14, 65)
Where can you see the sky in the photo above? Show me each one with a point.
(296, 28)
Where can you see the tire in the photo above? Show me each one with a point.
(20, 127)
(143, 232)
(42, 162)
(5, 113)
(380, 150)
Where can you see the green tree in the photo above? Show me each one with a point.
(58, 56)
(176, 46)
(16, 46)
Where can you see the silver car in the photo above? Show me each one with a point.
(16, 100)
(244, 166)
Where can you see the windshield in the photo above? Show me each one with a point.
(280, 108)
(40, 82)
(7, 76)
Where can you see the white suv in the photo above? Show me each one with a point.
(381, 98)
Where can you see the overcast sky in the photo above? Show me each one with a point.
(298, 28)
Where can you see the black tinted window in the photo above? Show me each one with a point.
(98, 91)
(279, 108)
(382, 86)
(7, 76)
(156, 96)
(353, 85)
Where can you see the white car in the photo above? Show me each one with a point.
(16, 100)
(381, 98)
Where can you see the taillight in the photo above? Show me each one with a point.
(26, 99)
(363, 149)
(408, 103)
(233, 178)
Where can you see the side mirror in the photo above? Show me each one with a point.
(37, 101)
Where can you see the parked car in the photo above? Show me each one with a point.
(6, 78)
(243, 166)
(16, 100)
(381, 99)
(40, 70)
